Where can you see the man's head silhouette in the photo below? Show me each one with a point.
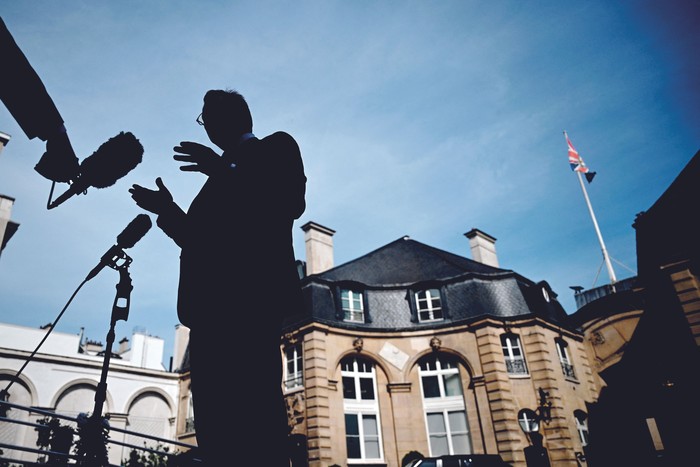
(225, 116)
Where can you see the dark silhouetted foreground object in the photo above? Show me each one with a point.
(238, 277)
(26, 98)
(113, 159)
(131, 234)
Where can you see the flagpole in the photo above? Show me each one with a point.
(606, 257)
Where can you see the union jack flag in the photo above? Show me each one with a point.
(576, 162)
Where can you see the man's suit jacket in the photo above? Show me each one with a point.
(237, 265)
(23, 92)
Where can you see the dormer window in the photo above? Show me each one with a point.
(352, 305)
(429, 305)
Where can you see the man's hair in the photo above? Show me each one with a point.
(230, 105)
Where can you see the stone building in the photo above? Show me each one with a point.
(411, 350)
(62, 378)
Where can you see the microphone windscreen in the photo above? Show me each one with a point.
(115, 158)
(135, 231)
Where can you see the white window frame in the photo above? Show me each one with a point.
(512, 342)
(424, 305)
(294, 357)
(582, 426)
(441, 367)
(352, 313)
(362, 408)
(567, 366)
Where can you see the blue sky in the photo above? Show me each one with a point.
(418, 118)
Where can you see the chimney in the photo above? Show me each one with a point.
(483, 247)
(319, 247)
(123, 346)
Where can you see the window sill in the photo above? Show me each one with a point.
(293, 390)
(519, 376)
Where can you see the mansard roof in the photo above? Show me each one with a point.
(389, 275)
(405, 262)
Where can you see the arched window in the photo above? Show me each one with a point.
(361, 407)
(443, 403)
(513, 354)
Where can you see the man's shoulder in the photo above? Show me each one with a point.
(280, 141)
(280, 137)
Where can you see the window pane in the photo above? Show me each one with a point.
(372, 448)
(352, 436)
(369, 425)
(352, 427)
(458, 422)
(349, 388)
(366, 389)
(371, 436)
(453, 385)
(364, 366)
(431, 387)
(353, 445)
(460, 444)
(438, 445)
(436, 423)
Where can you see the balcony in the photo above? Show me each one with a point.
(516, 366)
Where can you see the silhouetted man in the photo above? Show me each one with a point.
(237, 279)
(26, 98)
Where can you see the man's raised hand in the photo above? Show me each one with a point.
(154, 201)
(200, 158)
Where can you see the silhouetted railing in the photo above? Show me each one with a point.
(175, 453)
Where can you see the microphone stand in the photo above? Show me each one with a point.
(94, 429)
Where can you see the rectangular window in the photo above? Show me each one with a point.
(294, 374)
(582, 426)
(353, 309)
(566, 366)
(189, 420)
(429, 305)
(448, 433)
(513, 354)
(362, 436)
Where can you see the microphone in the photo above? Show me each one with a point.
(133, 232)
(113, 159)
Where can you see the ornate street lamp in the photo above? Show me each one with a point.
(530, 421)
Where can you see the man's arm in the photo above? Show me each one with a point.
(23, 92)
